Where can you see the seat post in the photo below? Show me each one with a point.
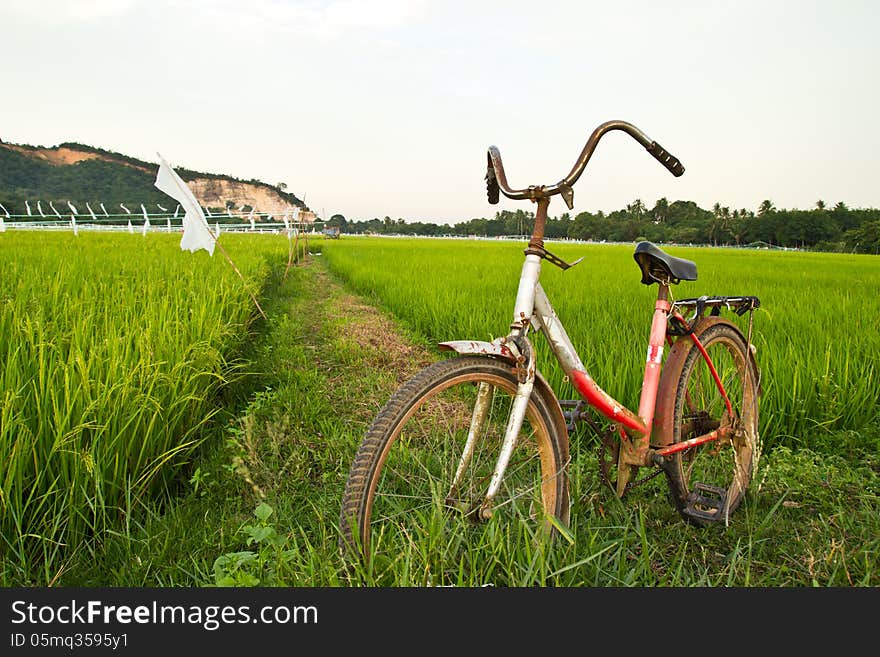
(654, 358)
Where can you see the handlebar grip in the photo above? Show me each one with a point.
(666, 159)
(492, 190)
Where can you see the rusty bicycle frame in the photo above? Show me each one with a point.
(643, 442)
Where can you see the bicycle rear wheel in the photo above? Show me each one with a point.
(410, 482)
(708, 481)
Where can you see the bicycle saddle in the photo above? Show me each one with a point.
(660, 267)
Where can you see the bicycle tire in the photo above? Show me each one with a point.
(708, 481)
(399, 485)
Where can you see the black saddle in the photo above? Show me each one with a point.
(660, 267)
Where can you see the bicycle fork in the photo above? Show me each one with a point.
(518, 344)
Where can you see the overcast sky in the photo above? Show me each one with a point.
(371, 108)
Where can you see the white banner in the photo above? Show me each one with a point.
(196, 234)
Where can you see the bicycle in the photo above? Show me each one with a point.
(481, 437)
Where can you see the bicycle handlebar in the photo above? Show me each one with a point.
(496, 179)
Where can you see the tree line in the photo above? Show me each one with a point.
(822, 228)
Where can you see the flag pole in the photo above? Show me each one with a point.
(232, 264)
(290, 249)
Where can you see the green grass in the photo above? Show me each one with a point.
(810, 519)
(818, 353)
(318, 371)
(114, 351)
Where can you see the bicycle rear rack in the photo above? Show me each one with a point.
(740, 305)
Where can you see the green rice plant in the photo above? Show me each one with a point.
(113, 351)
(818, 354)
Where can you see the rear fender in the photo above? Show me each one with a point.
(662, 431)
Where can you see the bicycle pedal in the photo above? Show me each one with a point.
(706, 502)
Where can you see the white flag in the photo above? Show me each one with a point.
(144, 211)
(106, 214)
(5, 211)
(91, 212)
(216, 229)
(125, 208)
(229, 212)
(196, 234)
(2, 225)
(57, 214)
(208, 210)
(130, 227)
(27, 206)
(176, 210)
(161, 208)
(286, 222)
(146, 226)
(73, 225)
(251, 219)
(169, 223)
(40, 209)
(72, 207)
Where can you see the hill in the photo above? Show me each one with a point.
(80, 174)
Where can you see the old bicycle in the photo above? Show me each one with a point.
(482, 437)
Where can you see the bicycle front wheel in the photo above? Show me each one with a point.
(423, 468)
(708, 481)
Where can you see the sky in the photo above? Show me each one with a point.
(374, 108)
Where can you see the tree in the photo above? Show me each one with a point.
(339, 221)
(636, 209)
(766, 207)
(660, 212)
(865, 238)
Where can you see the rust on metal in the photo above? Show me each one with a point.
(478, 347)
(718, 434)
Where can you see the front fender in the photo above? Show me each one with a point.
(498, 349)
(479, 348)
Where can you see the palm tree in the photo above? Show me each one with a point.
(661, 211)
(636, 209)
(766, 207)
